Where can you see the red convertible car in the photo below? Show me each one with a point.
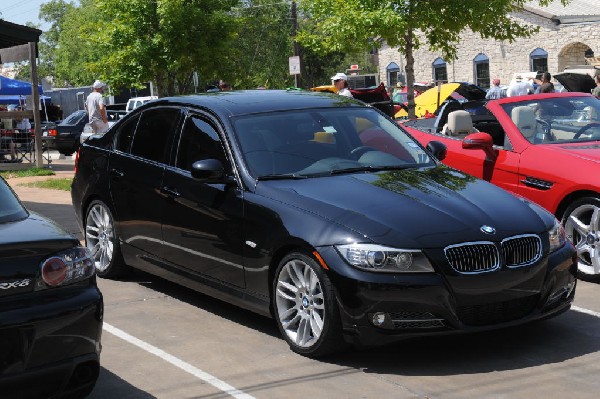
(544, 147)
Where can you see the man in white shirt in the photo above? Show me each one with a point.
(519, 87)
(94, 105)
(340, 81)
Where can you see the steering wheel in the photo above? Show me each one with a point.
(359, 151)
(584, 128)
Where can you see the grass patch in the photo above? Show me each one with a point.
(53, 184)
(11, 174)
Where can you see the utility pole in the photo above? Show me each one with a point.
(294, 30)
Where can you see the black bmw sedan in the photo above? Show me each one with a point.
(321, 212)
(50, 307)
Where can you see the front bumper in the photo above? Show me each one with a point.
(50, 341)
(379, 308)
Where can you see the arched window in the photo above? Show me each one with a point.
(481, 71)
(538, 60)
(393, 74)
(440, 74)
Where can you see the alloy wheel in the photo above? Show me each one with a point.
(300, 303)
(582, 228)
(99, 236)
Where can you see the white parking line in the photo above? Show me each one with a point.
(196, 372)
(586, 311)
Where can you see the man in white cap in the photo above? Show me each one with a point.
(94, 105)
(340, 81)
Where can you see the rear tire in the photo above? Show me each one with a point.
(305, 307)
(101, 240)
(582, 227)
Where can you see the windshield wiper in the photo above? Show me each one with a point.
(284, 176)
(371, 168)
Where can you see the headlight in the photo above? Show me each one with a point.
(65, 267)
(375, 257)
(557, 236)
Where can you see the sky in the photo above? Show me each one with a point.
(22, 11)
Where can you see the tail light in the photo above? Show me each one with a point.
(52, 132)
(66, 267)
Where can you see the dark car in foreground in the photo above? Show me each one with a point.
(65, 136)
(50, 307)
(321, 212)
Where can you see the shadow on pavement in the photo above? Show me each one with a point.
(215, 306)
(570, 335)
(110, 385)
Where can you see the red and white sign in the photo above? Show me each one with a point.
(354, 67)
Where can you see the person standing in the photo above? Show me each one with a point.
(340, 81)
(546, 86)
(519, 87)
(596, 90)
(94, 105)
(495, 92)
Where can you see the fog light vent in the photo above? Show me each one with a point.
(415, 320)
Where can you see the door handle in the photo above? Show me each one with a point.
(170, 191)
(117, 173)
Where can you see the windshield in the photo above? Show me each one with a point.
(10, 208)
(316, 142)
(557, 120)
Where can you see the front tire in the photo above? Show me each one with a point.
(101, 240)
(582, 227)
(305, 307)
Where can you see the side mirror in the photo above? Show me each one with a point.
(480, 141)
(438, 149)
(210, 171)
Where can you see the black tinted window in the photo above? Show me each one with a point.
(199, 140)
(124, 136)
(153, 132)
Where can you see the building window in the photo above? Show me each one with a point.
(481, 71)
(538, 60)
(589, 53)
(440, 74)
(393, 74)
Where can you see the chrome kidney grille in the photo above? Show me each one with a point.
(522, 250)
(485, 256)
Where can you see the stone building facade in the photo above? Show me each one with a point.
(567, 36)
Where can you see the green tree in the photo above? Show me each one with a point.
(345, 25)
(52, 12)
(163, 41)
(75, 53)
(260, 50)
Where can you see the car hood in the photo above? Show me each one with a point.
(413, 208)
(589, 151)
(577, 82)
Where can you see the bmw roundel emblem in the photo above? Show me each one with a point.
(488, 229)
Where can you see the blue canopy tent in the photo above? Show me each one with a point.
(11, 87)
(17, 100)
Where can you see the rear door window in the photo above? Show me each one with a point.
(153, 133)
(124, 135)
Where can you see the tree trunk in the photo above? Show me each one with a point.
(410, 74)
